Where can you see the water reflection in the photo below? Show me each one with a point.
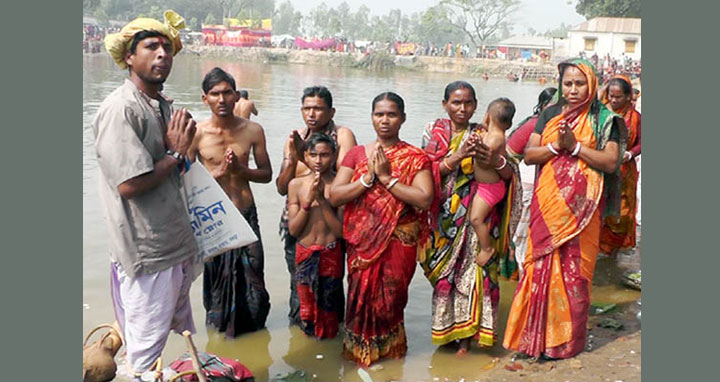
(252, 350)
(319, 358)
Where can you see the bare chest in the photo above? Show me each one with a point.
(212, 148)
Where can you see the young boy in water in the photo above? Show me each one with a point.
(318, 229)
(490, 187)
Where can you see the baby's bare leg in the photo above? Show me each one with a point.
(479, 210)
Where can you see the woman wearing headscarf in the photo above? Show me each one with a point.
(619, 234)
(577, 144)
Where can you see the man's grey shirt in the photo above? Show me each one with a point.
(150, 232)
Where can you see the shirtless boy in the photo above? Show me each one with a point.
(244, 107)
(490, 186)
(234, 291)
(318, 228)
(317, 113)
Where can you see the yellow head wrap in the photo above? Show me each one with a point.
(117, 44)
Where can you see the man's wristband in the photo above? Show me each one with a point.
(179, 157)
(305, 207)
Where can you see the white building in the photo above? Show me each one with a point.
(603, 35)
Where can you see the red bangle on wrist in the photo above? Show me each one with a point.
(305, 207)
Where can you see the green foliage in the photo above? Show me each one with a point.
(154, 13)
(193, 24)
(608, 8)
(481, 20)
(438, 24)
(560, 32)
(286, 20)
(210, 19)
(433, 25)
(101, 17)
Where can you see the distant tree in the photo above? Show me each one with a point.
(319, 20)
(434, 26)
(226, 6)
(359, 27)
(343, 19)
(481, 19)
(193, 24)
(154, 12)
(608, 8)
(334, 25)
(394, 22)
(531, 31)
(89, 6)
(560, 32)
(102, 17)
(286, 20)
(210, 19)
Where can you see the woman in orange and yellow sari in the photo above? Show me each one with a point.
(619, 234)
(577, 144)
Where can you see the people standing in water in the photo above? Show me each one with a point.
(578, 145)
(140, 144)
(234, 293)
(386, 187)
(317, 112)
(515, 148)
(244, 106)
(618, 234)
(317, 225)
(465, 296)
(490, 186)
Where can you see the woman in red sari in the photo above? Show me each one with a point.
(619, 234)
(577, 144)
(386, 187)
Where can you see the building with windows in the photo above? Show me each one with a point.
(602, 35)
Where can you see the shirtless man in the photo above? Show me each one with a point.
(244, 106)
(490, 186)
(234, 291)
(318, 227)
(317, 112)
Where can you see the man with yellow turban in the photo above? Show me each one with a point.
(141, 145)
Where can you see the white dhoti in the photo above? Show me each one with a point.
(148, 307)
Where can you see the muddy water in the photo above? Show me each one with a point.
(276, 90)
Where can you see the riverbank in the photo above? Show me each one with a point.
(378, 61)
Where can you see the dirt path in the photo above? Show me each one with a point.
(615, 356)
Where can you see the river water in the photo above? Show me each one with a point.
(276, 90)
